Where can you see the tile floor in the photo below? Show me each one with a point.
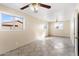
(53, 46)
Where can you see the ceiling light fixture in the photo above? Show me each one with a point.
(34, 7)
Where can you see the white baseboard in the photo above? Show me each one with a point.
(58, 36)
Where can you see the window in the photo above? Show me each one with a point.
(9, 22)
(6, 18)
(58, 25)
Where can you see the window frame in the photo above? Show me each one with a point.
(59, 25)
(14, 15)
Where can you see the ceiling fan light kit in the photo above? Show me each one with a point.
(34, 7)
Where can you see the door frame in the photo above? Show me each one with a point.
(76, 16)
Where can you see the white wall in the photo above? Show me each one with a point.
(65, 32)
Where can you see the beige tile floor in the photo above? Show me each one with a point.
(53, 46)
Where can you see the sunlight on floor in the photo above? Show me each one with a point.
(58, 45)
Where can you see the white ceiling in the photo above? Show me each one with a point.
(57, 11)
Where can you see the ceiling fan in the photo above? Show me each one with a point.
(34, 6)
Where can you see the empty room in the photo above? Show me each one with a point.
(38, 29)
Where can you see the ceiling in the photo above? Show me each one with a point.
(57, 11)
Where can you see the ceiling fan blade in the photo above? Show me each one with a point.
(45, 6)
(25, 7)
